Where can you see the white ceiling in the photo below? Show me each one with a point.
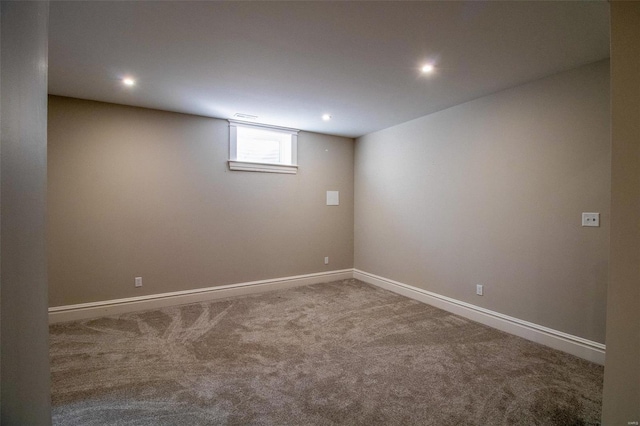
(290, 62)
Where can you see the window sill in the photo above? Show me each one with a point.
(262, 167)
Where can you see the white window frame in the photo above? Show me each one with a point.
(235, 164)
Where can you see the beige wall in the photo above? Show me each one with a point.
(622, 365)
(491, 192)
(138, 192)
(24, 355)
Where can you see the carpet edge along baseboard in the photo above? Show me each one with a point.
(574, 345)
(153, 301)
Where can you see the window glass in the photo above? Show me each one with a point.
(263, 146)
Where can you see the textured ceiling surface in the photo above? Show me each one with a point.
(290, 62)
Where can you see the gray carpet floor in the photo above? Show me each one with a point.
(341, 353)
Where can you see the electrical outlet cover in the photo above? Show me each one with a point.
(590, 219)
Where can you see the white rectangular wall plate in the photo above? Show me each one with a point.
(479, 289)
(138, 281)
(333, 198)
(590, 219)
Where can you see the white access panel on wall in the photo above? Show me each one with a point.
(333, 198)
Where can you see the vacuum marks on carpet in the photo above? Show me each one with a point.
(326, 354)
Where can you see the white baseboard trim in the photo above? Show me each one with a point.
(119, 306)
(583, 348)
(574, 345)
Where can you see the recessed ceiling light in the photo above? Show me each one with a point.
(427, 68)
(128, 81)
(326, 117)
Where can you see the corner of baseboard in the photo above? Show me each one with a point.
(574, 345)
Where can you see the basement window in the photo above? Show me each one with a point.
(262, 148)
